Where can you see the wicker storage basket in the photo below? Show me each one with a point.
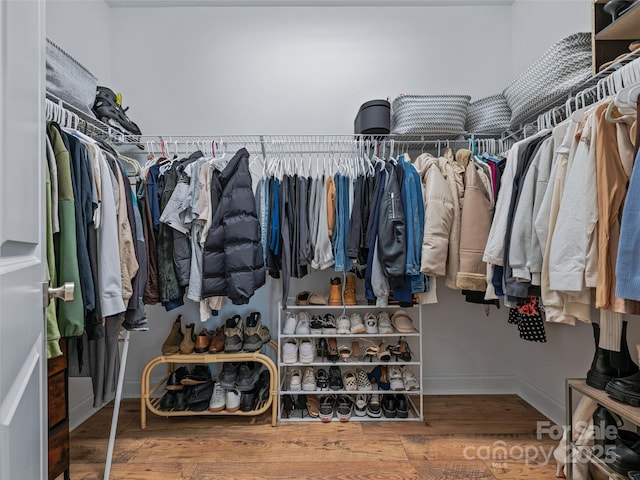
(69, 80)
(560, 70)
(489, 115)
(429, 114)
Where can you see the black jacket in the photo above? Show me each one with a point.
(233, 265)
(392, 246)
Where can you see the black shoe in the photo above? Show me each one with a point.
(168, 401)
(200, 396)
(605, 429)
(615, 8)
(199, 374)
(402, 406)
(322, 348)
(234, 334)
(623, 458)
(228, 374)
(107, 109)
(389, 408)
(248, 400)
(247, 376)
(634, 475)
(263, 384)
(607, 364)
(174, 382)
(335, 378)
(181, 399)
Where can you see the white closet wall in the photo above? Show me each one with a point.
(306, 70)
(536, 24)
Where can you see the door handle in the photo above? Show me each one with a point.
(64, 292)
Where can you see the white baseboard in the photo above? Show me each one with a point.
(81, 411)
(469, 384)
(549, 406)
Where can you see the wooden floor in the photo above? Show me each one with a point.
(462, 437)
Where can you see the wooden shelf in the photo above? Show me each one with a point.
(147, 402)
(626, 411)
(626, 27)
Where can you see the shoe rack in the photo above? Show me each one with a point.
(150, 402)
(414, 340)
(627, 412)
(611, 39)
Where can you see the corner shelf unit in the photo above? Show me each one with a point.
(599, 396)
(611, 39)
(414, 340)
(147, 402)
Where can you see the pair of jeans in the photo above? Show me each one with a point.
(342, 223)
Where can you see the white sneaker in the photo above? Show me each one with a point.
(384, 323)
(217, 402)
(290, 323)
(344, 325)
(302, 328)
(233, 400)
(356, 323)
(307, 350)
(409, 379)
(371, 323)
(290, 351)
(295, 380)
(309, 380)
(395, 379)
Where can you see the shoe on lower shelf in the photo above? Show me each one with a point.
(374, 409)
(327, 403)
(307, 350)
(389, 406)
(168, 400)
(228, 374)
(290, 350)
(217, 402)
(409, 379)
(360, 405)
(395, 378)
(247, 376)
(174, 382)
(232, 400)
(402, 406)
(344, 408)
(308, 380)
(295, 380)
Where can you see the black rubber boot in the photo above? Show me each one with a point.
(622, 360)
(601, 371)
(606, 430)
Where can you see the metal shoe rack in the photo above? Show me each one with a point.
(150, 402)
(414, 397)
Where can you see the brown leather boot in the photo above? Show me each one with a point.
(350, 290)
(171, 345)
(335, 291)
(202, 341)
(217, 341)
(188, 344)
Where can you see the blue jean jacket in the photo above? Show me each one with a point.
(414, 214)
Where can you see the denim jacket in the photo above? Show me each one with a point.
(414, 215)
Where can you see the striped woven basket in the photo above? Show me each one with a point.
(489, 115)
(560, 70)
(429, 114)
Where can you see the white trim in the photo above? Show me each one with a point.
(469, 384)
(304, 3)
(16, 391)
(81, 411)
(549, 406)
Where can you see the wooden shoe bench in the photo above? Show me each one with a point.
(148, 402)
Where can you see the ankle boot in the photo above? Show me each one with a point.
(601, 371)
(335, 291)
(622, 360)
(350, 290)
(615, 8)
(188, 343)
(605, 428)
(171, 345)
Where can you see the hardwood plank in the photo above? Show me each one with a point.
(424, 447)
(520, 471)
(139, 471)
(305, 446)
(452, 470)
(319, 470)
(201, 448)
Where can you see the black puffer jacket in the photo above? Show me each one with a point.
(233, 265)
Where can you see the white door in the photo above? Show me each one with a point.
(23, 418)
